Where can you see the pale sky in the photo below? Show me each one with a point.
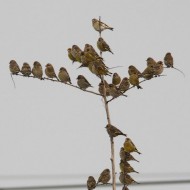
(48, 128)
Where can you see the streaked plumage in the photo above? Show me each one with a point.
(37, 70)
(100, 26)
(103, 46)
(105, 176)
(124, 85)
(101, 88)
(76, 52)
(50, 72)
(71, 57)
(14, 67)
(134, 80)
(113, 131)
(148, 73)
(116, 79)
(91, 183)
(126, 156)
(26, 69)
(64, 75)
(82, 82)
(126, 167)
(133, 70)
(126, 179)
(150, 62)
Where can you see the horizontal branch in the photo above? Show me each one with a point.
(54, 80)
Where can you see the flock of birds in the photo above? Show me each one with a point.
(125, 167)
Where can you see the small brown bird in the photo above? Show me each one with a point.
(50, 72)
(90, 50)
(37, 70)
(105, 176)
(70, 55)
(101, 88)
(126, 167)
(103, 46)
(129, 146)
(75, 52)
(116, 79)
(100, 26)
(82, 82)
(26, 69)
(113, 131)
(126, 156)
(114, 91)
(150, 62)
(126, 179)
(124, 85)
(169, 62)
(134, 80)
(14, 68)
(133, 70)
(91, 183)
(158, 68)
(148, 73)
(64, 75)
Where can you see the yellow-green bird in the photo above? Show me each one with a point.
(115, 91)
(113, 131)
(134, 80)
(116, 79)
(71, 57)
(150, 62)
(124, 85)
(126, 179)
(50, 72)
(76, 51)
(90, 49)
(103, 46)
(133, 70)
(37, 70)
(129, 146)
(126, 156)
(126, 167)
(100, 26)
(148, 73)
(26, 69)
(63, 75)
(14, 67)
(104, 177)
(91, 183)
(83, 83)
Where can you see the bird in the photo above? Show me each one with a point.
(91, 183)
(100, 26)
(148, 73)
(103, 46)
(134, 80)
(75, 52)
(50, 72)
(64, 75)
(37, 70)
(133, 70)
(169, 62)
(104, 177)
(116, 79)
(114, 91)
(90, 49)
(150, 61)
(126, 167)
(101, 88)
(82, 82)
(14, 67)
(126, 156)
(158, 68)
(124, 85)
(70, 55)
(126, 179)
(26, 69)
(129, 146)
(113, 131)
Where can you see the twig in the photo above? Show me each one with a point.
(54, 80)
(13, 80)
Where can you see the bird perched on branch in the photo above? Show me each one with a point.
(148, 73)
(91, 183)
(134, 80)
(90, 49)
(115, 91)
(126, 167)
(113, 131)
(64, 75)
(169, 62)
(101, 88)
(103, 46)
(50, 72)
(129, 146)
(158, 68)
(116, 79)
(14, 67)
(126, 156)
(71, 57)
(124, 85)
(82, 82)
(37, 70)
(100, 26)
(75, 52)
(150, 62)
(133, 70)
(104, 177)
(126, 179)
(26, 69)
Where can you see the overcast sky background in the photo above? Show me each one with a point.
(52, 129)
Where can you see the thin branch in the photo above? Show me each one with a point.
(54, 80)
